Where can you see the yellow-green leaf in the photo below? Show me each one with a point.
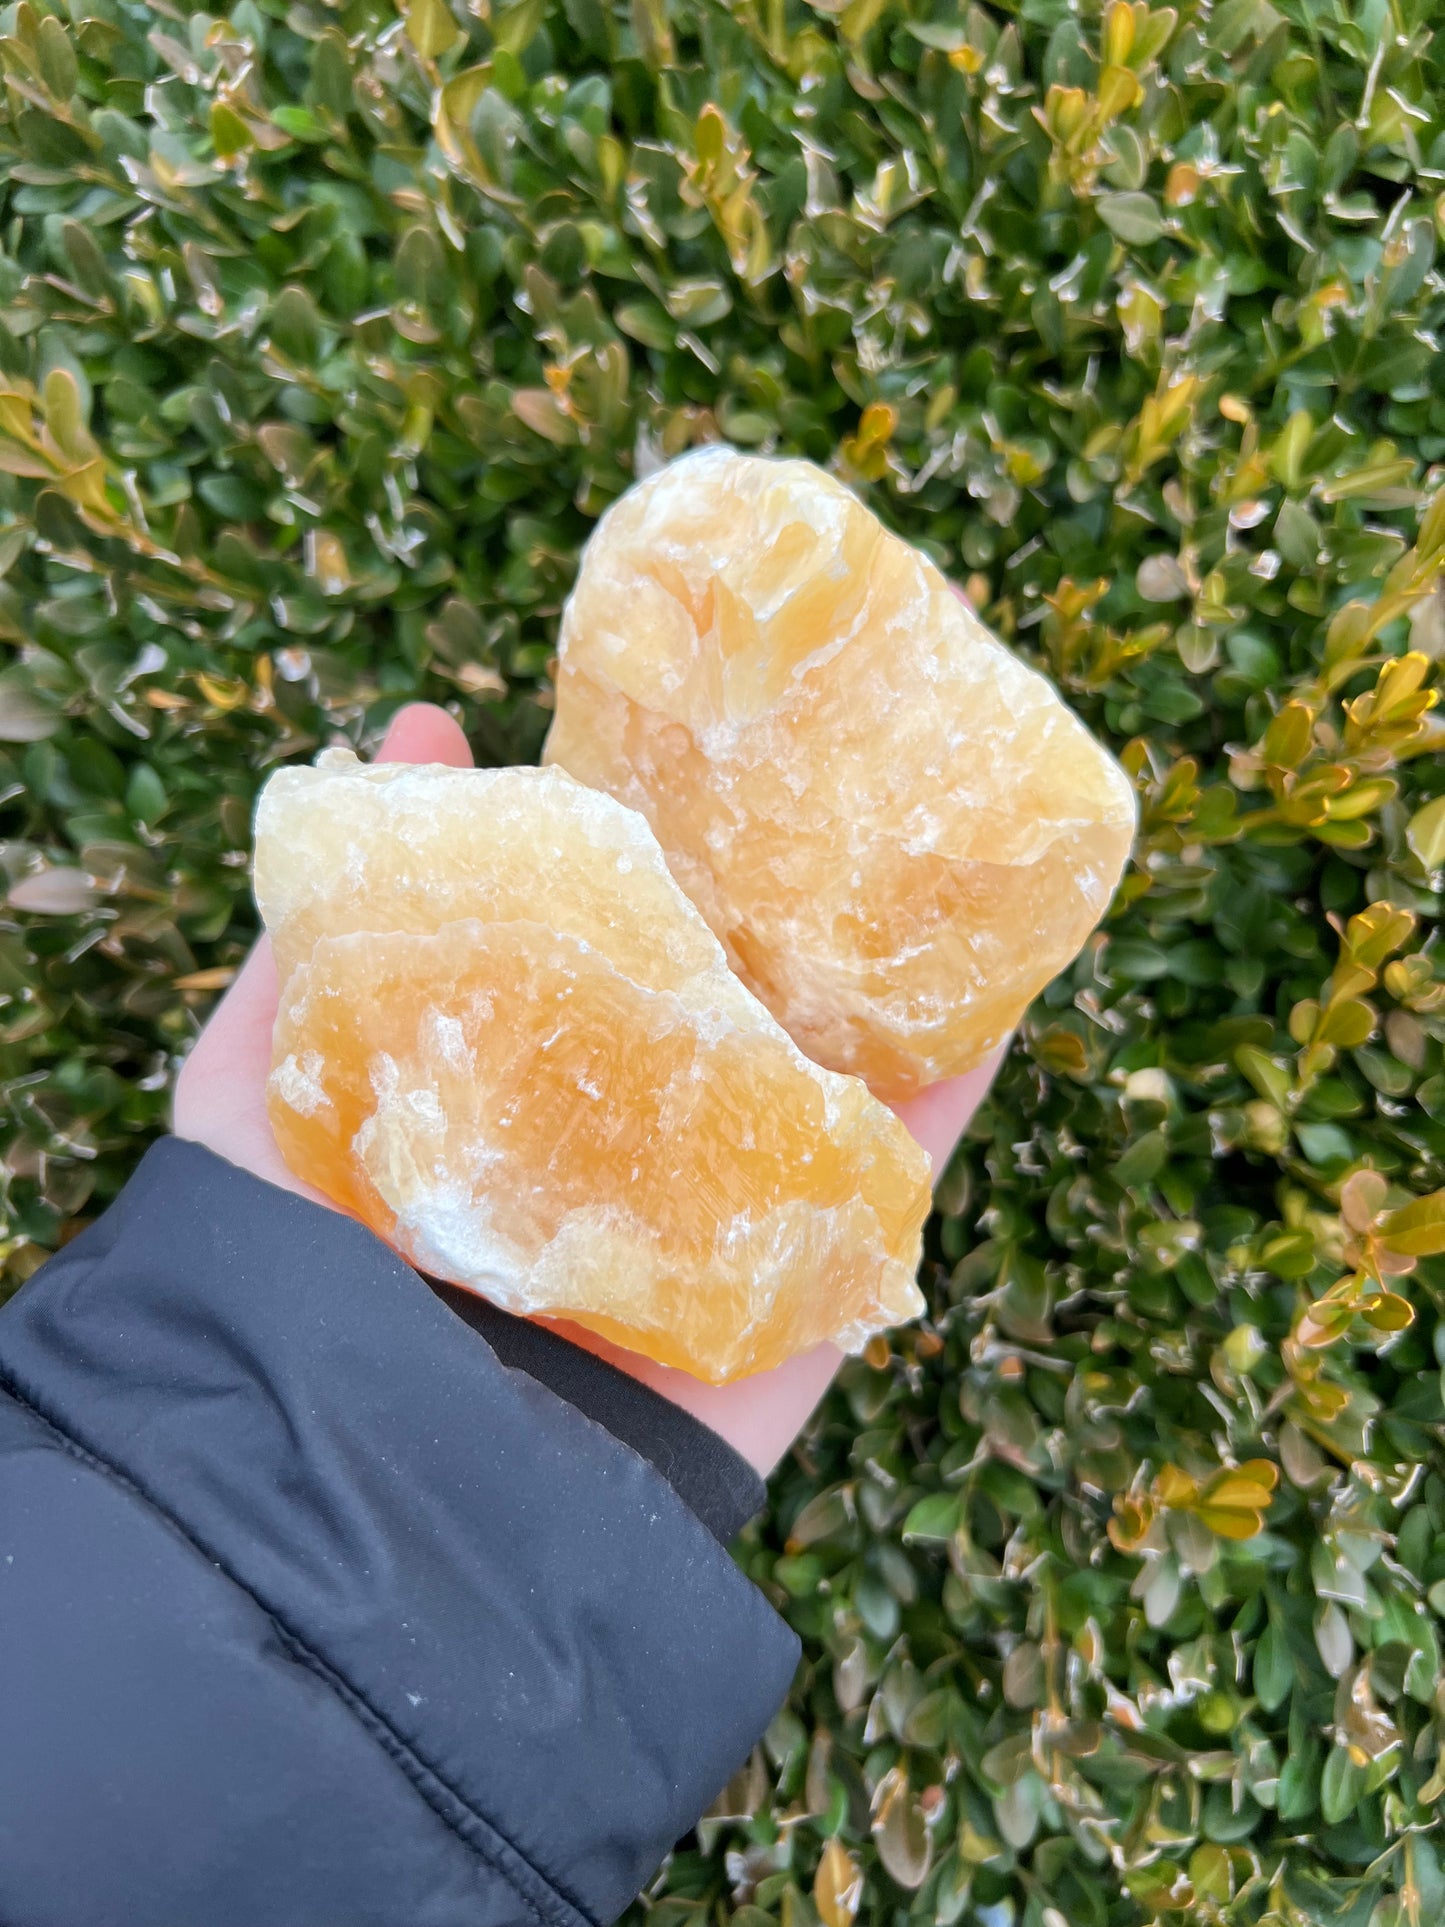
(1347, 1023)
(64, 416)
(431, 28)
(229, 133)
(1389, 1312)
(1288, 738)
(1363, 799)
(1416, 1230)
(1425, 834)
(515, 27)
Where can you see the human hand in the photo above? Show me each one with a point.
(220, 1098)
(762, 1415)
(220, 1102)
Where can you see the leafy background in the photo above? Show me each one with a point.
(325, 335)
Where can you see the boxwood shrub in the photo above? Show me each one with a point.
(327, 331)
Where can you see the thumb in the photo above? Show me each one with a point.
(233, 1052)
(422, 733)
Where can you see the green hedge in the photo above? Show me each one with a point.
(325, 335)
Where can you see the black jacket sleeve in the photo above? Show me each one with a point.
(314, 1613)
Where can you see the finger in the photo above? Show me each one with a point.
(422, 733)
(939, 1116)
(238, 1031)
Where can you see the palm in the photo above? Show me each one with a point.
(221, 1102)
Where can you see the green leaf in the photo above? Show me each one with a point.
(25, 715)
(1266, 1073)
(933, 1518)
(87, 263)
(644, 321)
(296, 326)
(1341, 1786)
(1324, 1144)
(1134, 217)
(1297, 535)
(946, 37)
(58, 66)
(1273, 1668)
(145, 794)
(1299, 1787)
(1145, 1157)
(331, 81)
(300, 123)
(1136, 961)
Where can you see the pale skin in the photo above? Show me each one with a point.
(220, 1102)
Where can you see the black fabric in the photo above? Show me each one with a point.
(313, 1611)
(163, 1760)
(704, 1471)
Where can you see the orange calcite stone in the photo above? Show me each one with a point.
(897, 830)
(508, 1043)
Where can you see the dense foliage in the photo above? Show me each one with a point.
(326, 333)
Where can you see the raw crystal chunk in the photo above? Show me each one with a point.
(508, 1043)
(898, 831)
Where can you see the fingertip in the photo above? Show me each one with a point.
(425, 733)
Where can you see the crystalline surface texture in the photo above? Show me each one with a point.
(897, 830)
(508, 1043)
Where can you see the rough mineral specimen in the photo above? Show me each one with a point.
(898, 831)
(508, 1043)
